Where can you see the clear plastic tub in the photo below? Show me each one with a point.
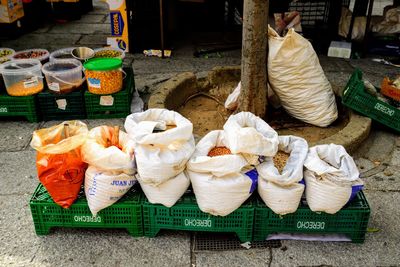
(63, 75)
(60, 54)
(109, 52)
(6, 54)
(22, 77)
(37, 53)
(104, 75)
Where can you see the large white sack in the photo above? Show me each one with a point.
(160, 155)
(296, 76)
(96, 153)
(329, 176)
(102, 189)
(247, 133)
(282, 192)
(167, 193)
(219, 183)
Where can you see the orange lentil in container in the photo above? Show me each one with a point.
(219, 151)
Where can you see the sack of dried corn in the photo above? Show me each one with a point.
(280, 183)
(331, 177)
(164, 143)
(221, 181)
(247, 133)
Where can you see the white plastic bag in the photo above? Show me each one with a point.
(297, 78)
(219, 183)
(167, 193)
(331, 177)
(160, 155)
(102, 189)
(232, 101)
(282, 192)
(247, 133)
(97, 153)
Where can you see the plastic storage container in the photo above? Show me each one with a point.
(40, 54)
(6, 54)
(109, 52)
(63, 76)
(22, 77)
(104, 75)
(64, 53)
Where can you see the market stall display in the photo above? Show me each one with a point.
(22, 77)
(59, 160)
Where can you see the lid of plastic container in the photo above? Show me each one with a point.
(103, 64)
(62, 66)
(20, 65)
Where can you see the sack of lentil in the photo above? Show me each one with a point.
(331, 177)
(280, 183)
(59, 161)
(221, 181)
(104, 188)
(297, 78)
(163, 141)
(247, 133)
(110, 155)
(167, 193)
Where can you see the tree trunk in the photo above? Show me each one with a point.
(253, 95)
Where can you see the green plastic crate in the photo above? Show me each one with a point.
(121, 106)
(186, 215)
(51, 106)
(355, 97)
(352, 220)
(19, 106)
(126, 213)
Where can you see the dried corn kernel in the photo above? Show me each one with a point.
(25, 88)
(104, 82)
(280, 160)
(219, 151)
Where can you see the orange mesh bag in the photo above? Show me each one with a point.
(59, 161)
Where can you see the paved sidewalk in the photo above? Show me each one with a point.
(378, 159)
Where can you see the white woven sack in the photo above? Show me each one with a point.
(160, 155)
(329, 176)
(167, 193)
(219, 183)
(296, 76)
(281, 191)
(247, 133)
(102, 189)
(95, 153)
(280, 199)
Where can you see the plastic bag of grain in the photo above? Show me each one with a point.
(280, 177)
(221, 181)
(111, 173)
(331, 178)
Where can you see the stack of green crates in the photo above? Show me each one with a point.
(19, 106)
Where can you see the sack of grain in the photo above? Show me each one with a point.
(167, 193)
(280, 176)
(247, 133)
(102, 188)
(297, 78)
(221, 181)
(331, 178)
(164, 143)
